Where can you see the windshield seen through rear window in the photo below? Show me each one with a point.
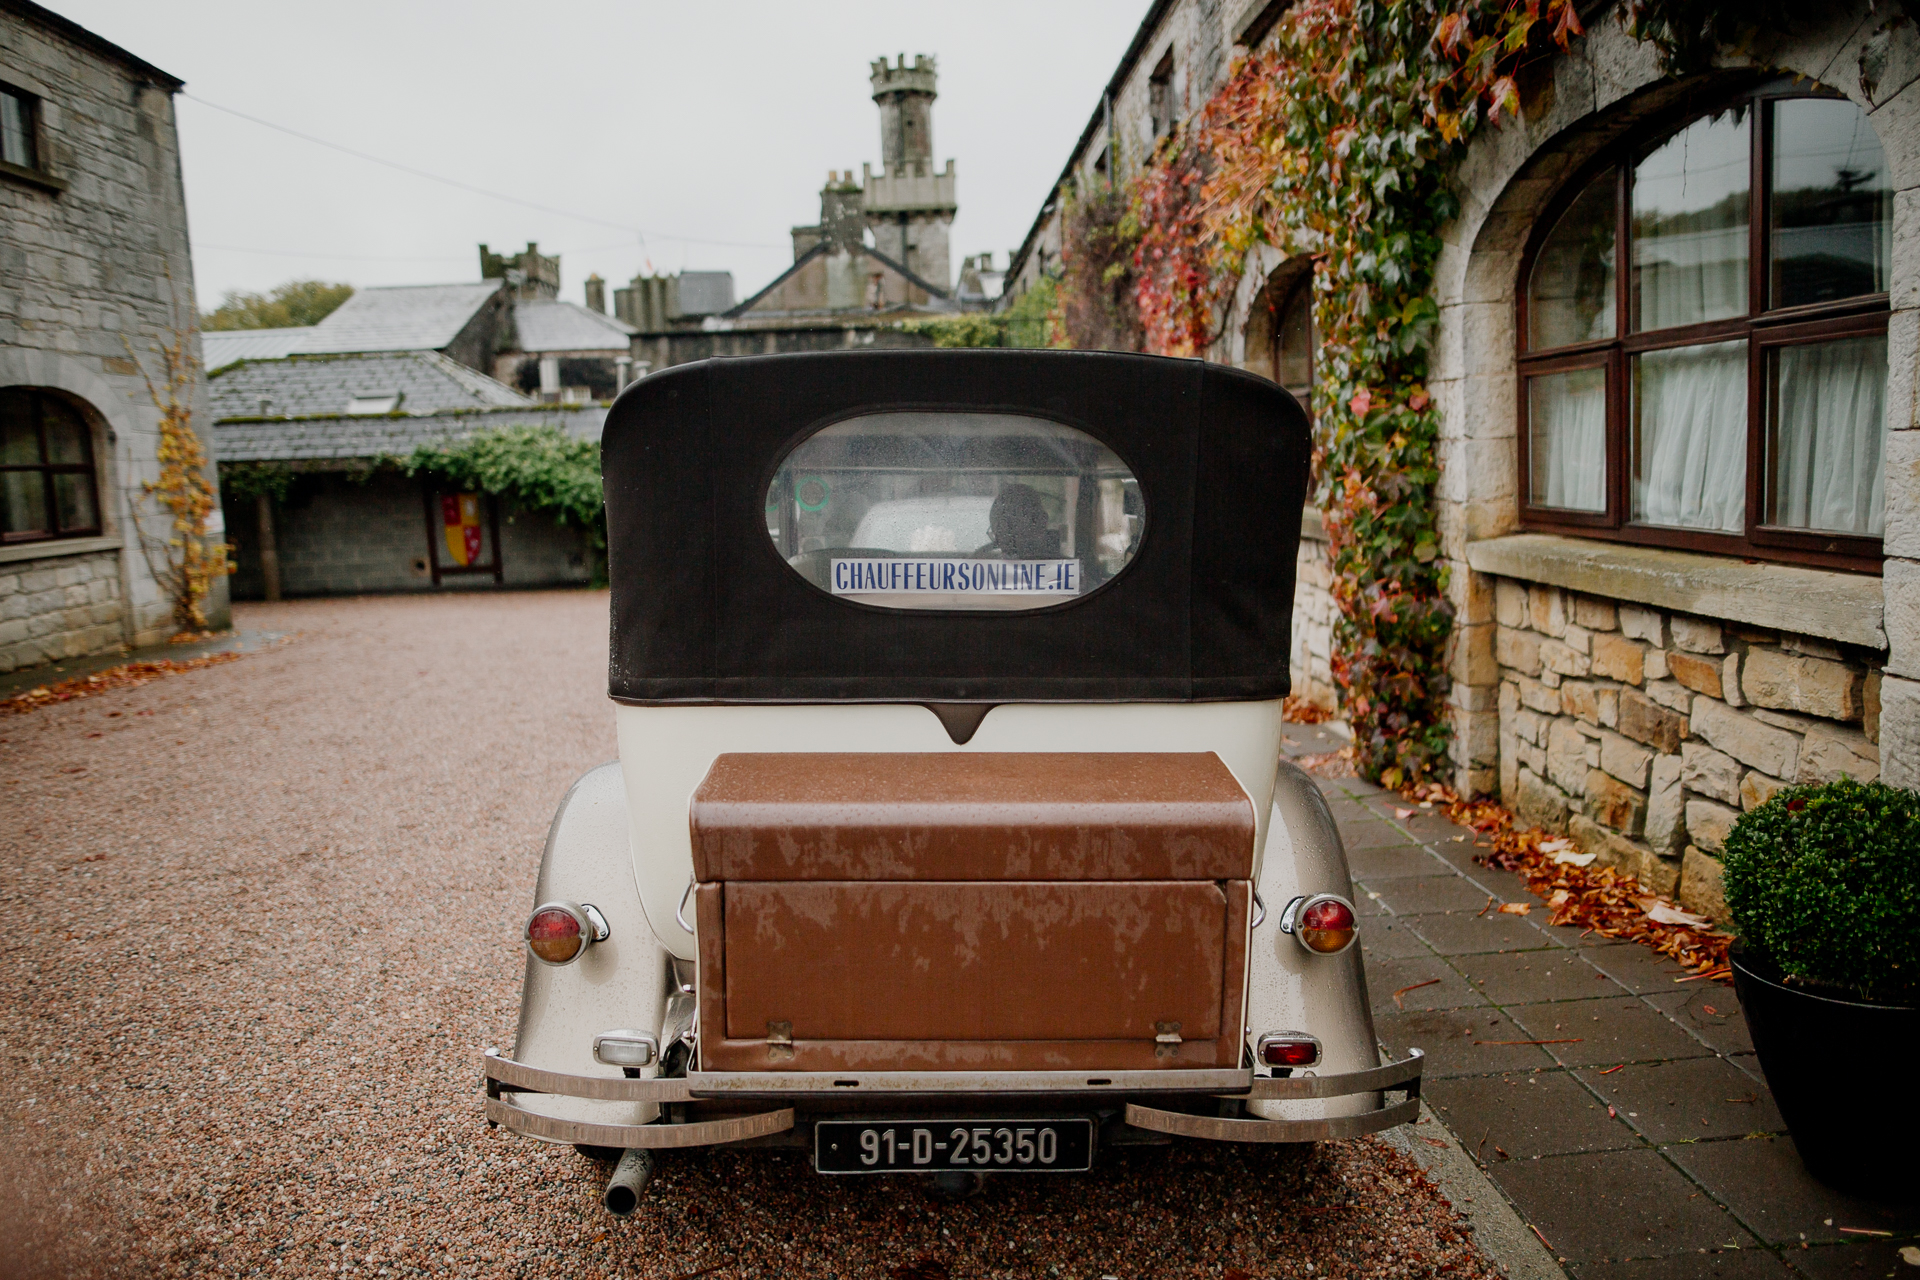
(933, 510)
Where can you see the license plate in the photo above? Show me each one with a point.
(907, 1146)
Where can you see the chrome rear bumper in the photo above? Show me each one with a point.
(809, 1091)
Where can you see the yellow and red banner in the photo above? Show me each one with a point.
(460, 513)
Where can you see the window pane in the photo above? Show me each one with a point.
(73, 500)
(1827, 434)
(1690, 226)
(940, 510)
(1570, 294)
(1567, 440)
(19, 429)
(1690, 437)
(1294, 367)
(1832, 205)
(66, 432)
(16, 133)
(23, 502)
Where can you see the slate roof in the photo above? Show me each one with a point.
(415, 317)
(341, 438)
(222, 347)
(300, 385)
(568, 326)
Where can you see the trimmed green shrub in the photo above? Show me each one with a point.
(1826, 881)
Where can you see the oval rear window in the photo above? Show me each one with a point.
(939, 510)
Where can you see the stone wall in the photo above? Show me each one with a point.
(664, 350)
(340, 536)
(1644, 734)
(94, 272)
(1587, 99)
(59, 607)
(1313, 614)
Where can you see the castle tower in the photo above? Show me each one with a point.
(534, 276)
(910, 206)
(842, 219)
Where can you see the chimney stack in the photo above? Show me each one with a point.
(596, 294)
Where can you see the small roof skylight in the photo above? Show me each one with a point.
(379, 402)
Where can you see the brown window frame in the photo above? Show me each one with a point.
(1764, 329)
(47, 470)
(39, 173)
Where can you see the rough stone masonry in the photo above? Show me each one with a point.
(94, 274)
(1645, 734)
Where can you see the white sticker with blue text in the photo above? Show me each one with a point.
(944, 575)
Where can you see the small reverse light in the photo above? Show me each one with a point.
(1288, 1049)
(1324, 924)
(625, 1048)
(560, 932)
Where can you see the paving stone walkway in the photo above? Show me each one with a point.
(1639, 1138)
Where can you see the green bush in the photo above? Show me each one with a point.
(1826, 881)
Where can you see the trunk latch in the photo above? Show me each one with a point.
(780, 1041)
(1166, 1039)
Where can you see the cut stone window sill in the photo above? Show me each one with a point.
(32, 177)
(55, 547)
(1844, 607)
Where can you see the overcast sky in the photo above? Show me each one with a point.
(708, 128)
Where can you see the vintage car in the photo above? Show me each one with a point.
(950, 832)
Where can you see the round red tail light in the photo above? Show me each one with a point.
(556, 935)
(1325, 925)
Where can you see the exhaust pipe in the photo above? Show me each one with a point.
(628, 1181)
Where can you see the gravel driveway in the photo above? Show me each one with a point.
(261, 919)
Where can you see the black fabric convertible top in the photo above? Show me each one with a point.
(706, 610)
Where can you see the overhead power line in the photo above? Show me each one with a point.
(469, 187)
(329, 257)
(366, 257)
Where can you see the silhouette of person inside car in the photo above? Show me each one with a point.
(1018, 525)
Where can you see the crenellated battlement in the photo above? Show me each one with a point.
(919, 189)
(901, 78)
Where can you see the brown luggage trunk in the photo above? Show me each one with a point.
(971, 911)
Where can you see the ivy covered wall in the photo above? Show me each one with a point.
(1339, 140)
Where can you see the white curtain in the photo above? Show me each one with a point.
(1567, 442)
(1690, 445)
(1691, 277)
(1829, 437)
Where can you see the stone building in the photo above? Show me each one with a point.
(1676, 361)
(467, 323)
(342, 522)
(562, 351)
(879, 254)
(95, 271)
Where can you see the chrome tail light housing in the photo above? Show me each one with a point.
(559, 933)
(1293, 1049)
(1323, 923)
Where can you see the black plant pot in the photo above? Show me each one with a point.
(1842, 1073)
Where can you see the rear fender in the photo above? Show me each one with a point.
(1289, 989)
(621, 983)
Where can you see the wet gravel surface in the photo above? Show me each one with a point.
(257, 923)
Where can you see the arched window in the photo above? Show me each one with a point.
(1703, 337)
(46, 468)
(1280, 336)
(1293, 341)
